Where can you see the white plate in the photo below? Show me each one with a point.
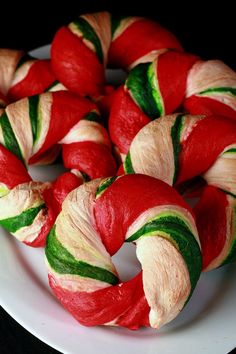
(206, 325)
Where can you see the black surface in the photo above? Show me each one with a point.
(206, 31)
(14, 339)
(209, 32)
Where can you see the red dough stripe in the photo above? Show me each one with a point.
(205, 105)
(120, 205)
(211, 222)
(207, 140)
(125, 121)
(104, 305)
(76, 66)
(37, 80)
(89, 157)
(63, 185)
(172, 72)
(12, 171)
(140, 38)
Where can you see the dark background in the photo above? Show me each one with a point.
(205, 28)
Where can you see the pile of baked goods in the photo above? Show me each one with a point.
(132, 153)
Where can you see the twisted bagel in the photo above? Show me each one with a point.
(179, 147)
(81, 51)
(85, 236)
(30, 130)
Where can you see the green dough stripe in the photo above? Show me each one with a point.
(227, 192)
(232, 150)
(175, 136)
(219, 90)
(182, 238)
(115, 23)
(128, 167)
(64, 263)
(33, 113)
(55, 83)
(105, 185)
(90, 35)
(93, 117)
(26, 218)
(86, 177)
(156, 93)
(140, 83)
(9, 137)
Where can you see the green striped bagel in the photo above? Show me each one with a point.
(34, 128)
(80, 245)
(31, 132)
(179, 148)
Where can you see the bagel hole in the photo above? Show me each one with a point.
(191, 201)
(191, 190)
(126, 262)
(115, 76)
(47, 173)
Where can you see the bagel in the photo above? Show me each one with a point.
(31, 130)
(86, 235)
(180, 147)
